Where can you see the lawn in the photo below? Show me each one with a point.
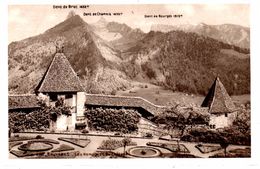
(159, 95)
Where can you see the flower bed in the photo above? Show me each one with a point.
(58, 155)
(63, 147)
(107, 154)
(35, 146)
(13, 144)
(234, 153)
(43, 155)
(144, 152)
(19, 153)
(112, 144)
(211, 136)
(207, 148)
(170, 147)
(18, 138)
(78, 142)
(177, 155)
(46, 141)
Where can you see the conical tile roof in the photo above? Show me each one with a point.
(217, 99)
(60, 77)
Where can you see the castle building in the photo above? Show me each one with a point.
(60, 81)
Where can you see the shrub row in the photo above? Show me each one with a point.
(36, 120)
(114, 120)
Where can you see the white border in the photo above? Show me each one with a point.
(129, 163)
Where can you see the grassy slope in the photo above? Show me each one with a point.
(161, 96)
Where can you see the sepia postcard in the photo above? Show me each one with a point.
(89, 81)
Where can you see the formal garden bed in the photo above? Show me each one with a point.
(112, 144)
(211, 136)
(44, 155)
(46, 141)
(35, 146)
(37, 138)
(177, 155)
(20, 138)
(58, 155)
(107, 154)
(204, 148)
(171, 147)
(76, 141)
(19, 153)
(239, 152)
(62, 148)
(144, 152)
(13, 144)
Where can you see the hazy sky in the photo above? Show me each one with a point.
(26, 21)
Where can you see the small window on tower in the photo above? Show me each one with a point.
(68, 96)
(53, 97)
(226, 114)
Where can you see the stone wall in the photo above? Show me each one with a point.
(122, 101)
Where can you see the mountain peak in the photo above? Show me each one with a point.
(101, 22)
(69, 23)
(71, 14)
(75, 19)
(201, 24)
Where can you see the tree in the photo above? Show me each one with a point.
(174, 122)
(224, 144)
(126, 141)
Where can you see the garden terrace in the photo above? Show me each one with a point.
(123, 101)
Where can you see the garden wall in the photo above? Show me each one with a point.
(122, 101)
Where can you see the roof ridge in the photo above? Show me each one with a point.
(214, 93)
(73, 71)
(48, 69)
(218, 99)
(60, 76)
